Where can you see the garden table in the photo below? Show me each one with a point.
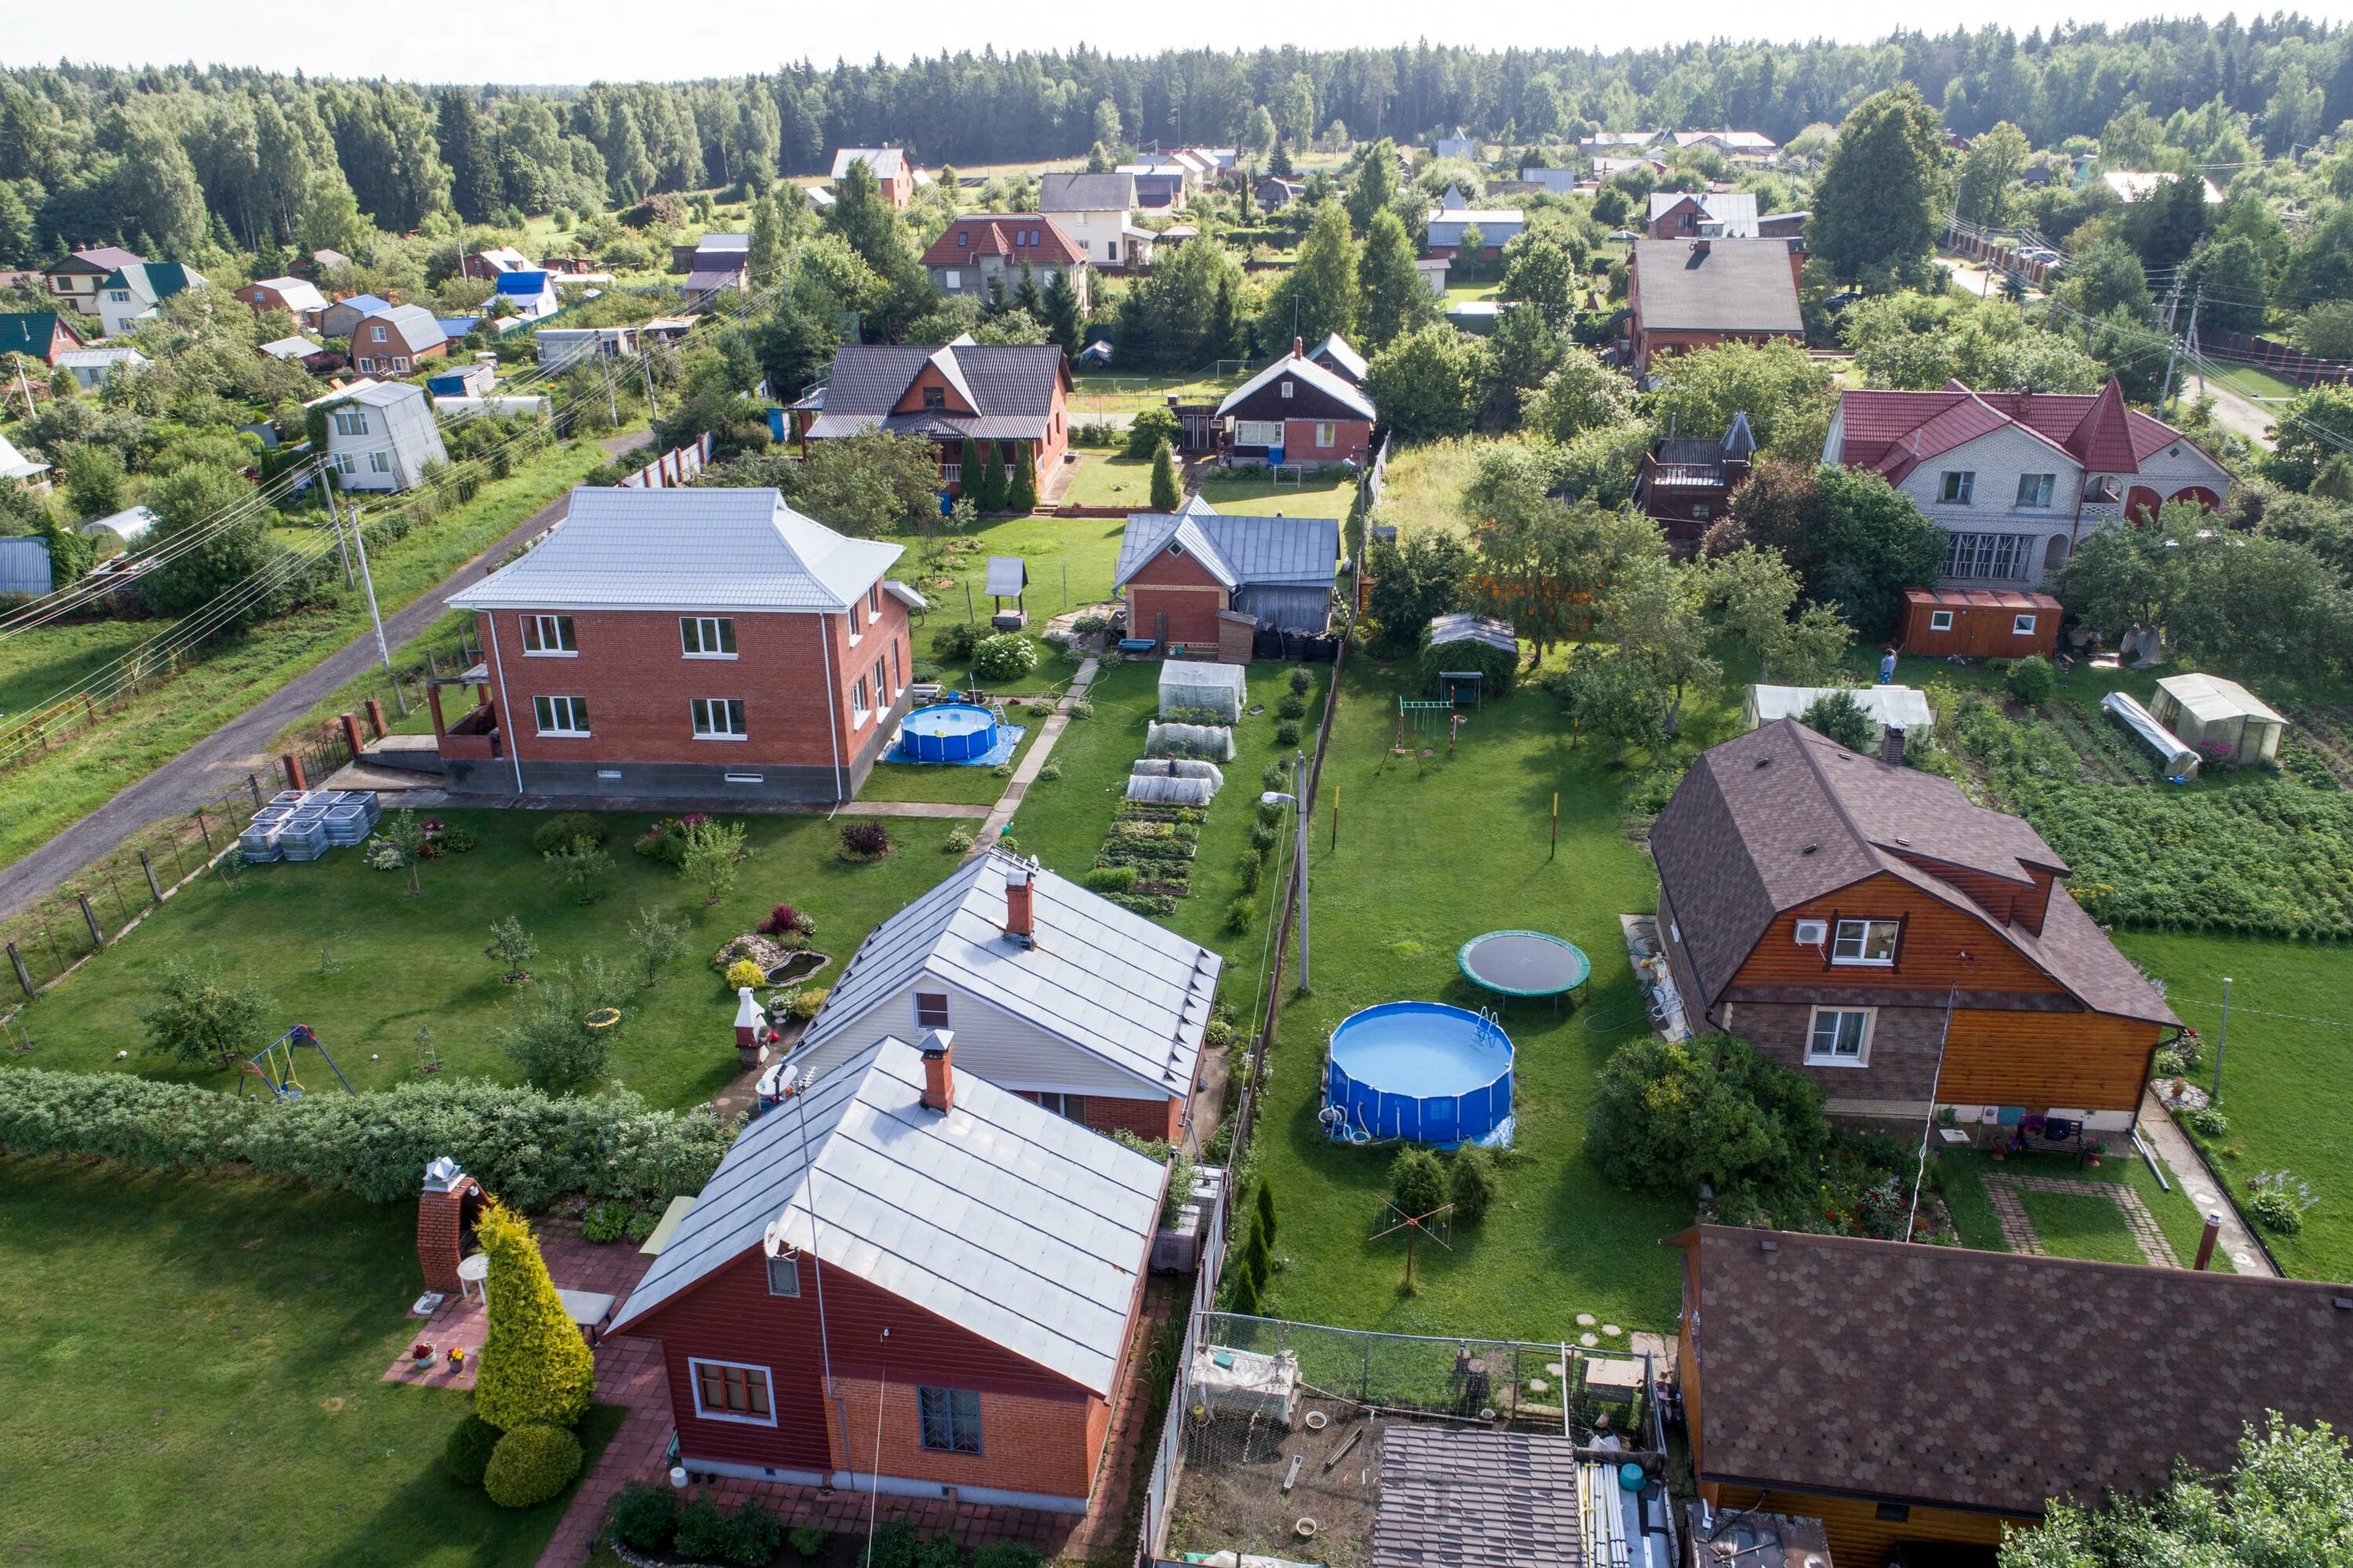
(471, 1275)
(589, 1309)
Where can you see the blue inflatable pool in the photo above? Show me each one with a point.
(948, 732)
(1417, 1070)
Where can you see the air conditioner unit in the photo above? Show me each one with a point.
(1812, 932)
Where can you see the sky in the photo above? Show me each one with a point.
(558, 42)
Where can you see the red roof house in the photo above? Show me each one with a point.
(985, 255)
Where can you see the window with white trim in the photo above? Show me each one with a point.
(860, 703)
(1069, 1107)
(346, 463)
(882, 684)
(707, 636)
(1957, 486)
(1940, 621)
(2022, 626)
(955, 278)
(1324, 434)
(1865, 942)
(719, 718)
(379, 463)
(1286, 389)
(727, 1391)
(561, 715)
(1258, 433)
(784, 1277)
(930, 1010)
(351, 422)
(549, 635)
(376, 334)
(2035, 489)
(1839, 1038)
(897, 685)
(874, 601)
(950, 1419)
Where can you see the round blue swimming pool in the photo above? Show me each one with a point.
(1417, 1070)
(948, 732)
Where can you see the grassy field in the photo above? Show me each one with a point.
(81, 772)
(1327, 494)
(35, 665)
(2253, 381)
(335, 944)
(2070, 1226)
(1105, 480)
(1430, 853)
(1108, 393)
(193, 1376)
(1424, 487)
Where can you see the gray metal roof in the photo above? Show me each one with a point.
(1737, 210)
(375, 394)
(999, 1215)
(1308, 371)
(1463, 627)
(1106, 980)
(1456, 1497)
(1086, 192)
(1007, 576)
(1734, 285)
(1344, 357)
(886, 162)
(685, 549)
(420, 326)
(1239, 552)
(1010, 385)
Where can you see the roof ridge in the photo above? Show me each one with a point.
(1821, 777)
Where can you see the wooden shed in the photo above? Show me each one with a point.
(1979, 623)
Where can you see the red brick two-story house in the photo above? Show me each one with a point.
(1858, 920)
(699, 643)
(894, 172)
(1689, 294)
(1014, 395)
(297, 297)
(1298, 414)
(396, 340)
(907, 1278)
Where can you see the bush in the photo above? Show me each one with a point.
(1007, 1554)
(528, 1146)
(467, 1453)
(955, 643)
(2031, 680)
(1287, 733)
(2205, 1122)
(958, 840)
(204, 1017)
(743, 972)
(1050, 772)
(939, 1551)
(644, 1517)
(566, 828)
(1250, 867)
(753, 1537)
(2276, 1200)
(807, 1001)
(1471, 1185)
(1151, 429)
(892, 1545)
(807, 1539)
(1291, 706)
(1264, 836)
(1276, 776)
(787, 922)
(1008, 656)
(536, 1369)
(1111, 878)
(1669, 1116)
(606, 1221)
(865, 841)
(1417, 1181)
(1240, 913)
(1840, 716)
(531, 1465)
(701, 1530)
(1301, 682)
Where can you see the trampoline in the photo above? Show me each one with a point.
(962, 734)
(1422, 1071)
(1523, 964)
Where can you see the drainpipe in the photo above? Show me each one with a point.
(833, 701)
(506, 712)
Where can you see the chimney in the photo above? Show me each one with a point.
(1020, 917)
(1798, 265)
(1699, 247)
(1891, 745)
(749, 1020)
(939, 1070)
(1298, 349)
(442, 1215)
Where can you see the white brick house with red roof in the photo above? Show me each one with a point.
(2017, 479)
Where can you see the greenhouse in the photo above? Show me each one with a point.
(1217, 688)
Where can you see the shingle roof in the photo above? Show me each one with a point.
(886, 162)
(1313, 374)
(998, 1215)
(1896, 431)
(1837, 1365)
(1455, 1498)
(685, 549)
(1006, 235)
(1012, 386)
(1086, 192)
(1104, 978)
(1240, 552)
(1782, 816)
(1733, 285)
(98, 258)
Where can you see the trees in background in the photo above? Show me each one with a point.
(1396, 300)
(1994, 161)
(1787, 397)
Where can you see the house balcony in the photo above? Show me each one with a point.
(951, 473)
(474, 737)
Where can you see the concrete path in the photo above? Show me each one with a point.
(222, 760)
(2235, 412)
(1024, 776)
(2188, 1172)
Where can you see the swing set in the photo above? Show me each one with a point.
(273, 1065)
(1418, 717)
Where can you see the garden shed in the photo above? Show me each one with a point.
(1466, 658)
(2221, 718)
(1904, 707)
(1979, 623)
(1219, 688)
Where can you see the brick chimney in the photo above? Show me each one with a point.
(1700, 247)
(1298, 349)
(441, 1214)
(939, 1070)
(1020, 913)
(750, 1023)
(1891, 745)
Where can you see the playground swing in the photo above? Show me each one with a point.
(1420, 717)
(273, 1065)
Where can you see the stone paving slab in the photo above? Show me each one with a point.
(2018, 1229)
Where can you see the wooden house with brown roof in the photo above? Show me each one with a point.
(1923, 1401)
(1863, 922)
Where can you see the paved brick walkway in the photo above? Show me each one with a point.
(573, 1263)
(2017, 1231)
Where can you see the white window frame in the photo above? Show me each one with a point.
(1940, 621)
(345, 463)
(860, 709)
(1957, 486)
(1258, 433)
(874, 601)
(1327, 434)
(694, 1365)
(706, 636)
(791, 1271)
(947, 1009)
(2022, 625)
(376, 334)
(1286, 384)
(1833, 1057)
(549, 637)
(350, 422)
(955, 278)
(1069, 1107)
(557, 720)
(2035, 491)
(1862, 928)
(719, 718)
(379, 463)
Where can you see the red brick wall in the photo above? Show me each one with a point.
(1351, 439)
(440, 1233)
(641, 686)
(1650, 345)
(1029, 1442)
(1181, 589)
(1145, 1119)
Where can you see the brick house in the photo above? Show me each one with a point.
(704, 643)
(1297, 414)
(45, 335)
(1833, 909)
(1198, 578)
(985, 254)
(395, 340)
(905, 1279)
(1696, 293)
(345, 313)
(2016, 478)
(1055, 994)
(1687, 215)
(894, 172)
(1686, 482)
(297, 297)
(1014, 395)
(1835, 1378)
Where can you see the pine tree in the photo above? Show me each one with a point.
(1266, 1210)
(1061, 317)
(1021, 490)
(1375, 188)
(766, 258)
(992, 482)
(1165, 493)
(466, 148)
(536, 1366)
(1395, 299)
(968, 471)
(1279, 165)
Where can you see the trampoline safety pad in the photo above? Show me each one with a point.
(1523, 963)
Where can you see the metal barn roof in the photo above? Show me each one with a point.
(1239, 552)
(1331, 386)
(999, 1215)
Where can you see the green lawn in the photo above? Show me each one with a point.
(1424, 484)
(82, 772)
(1431, 853)
(1326, 494)
(37, 665)
(194, 1376)
(1107, 393)
(1071, 562)
(2251, 381)
(2086, 1226)
(1104, 480)
(398, 962)
(953, 785)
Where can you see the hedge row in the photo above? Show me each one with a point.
(525, 1146)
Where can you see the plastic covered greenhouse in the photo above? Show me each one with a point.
(1180, 767)
(1214, 742)
(1217, 687)
(1159, 789)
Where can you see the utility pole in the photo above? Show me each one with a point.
(2221, 1038)
(612, 407)
(646, 362)
(1299, 787)
(2172, 341)
(383, 649)
(335, 518)
(2195, 301)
